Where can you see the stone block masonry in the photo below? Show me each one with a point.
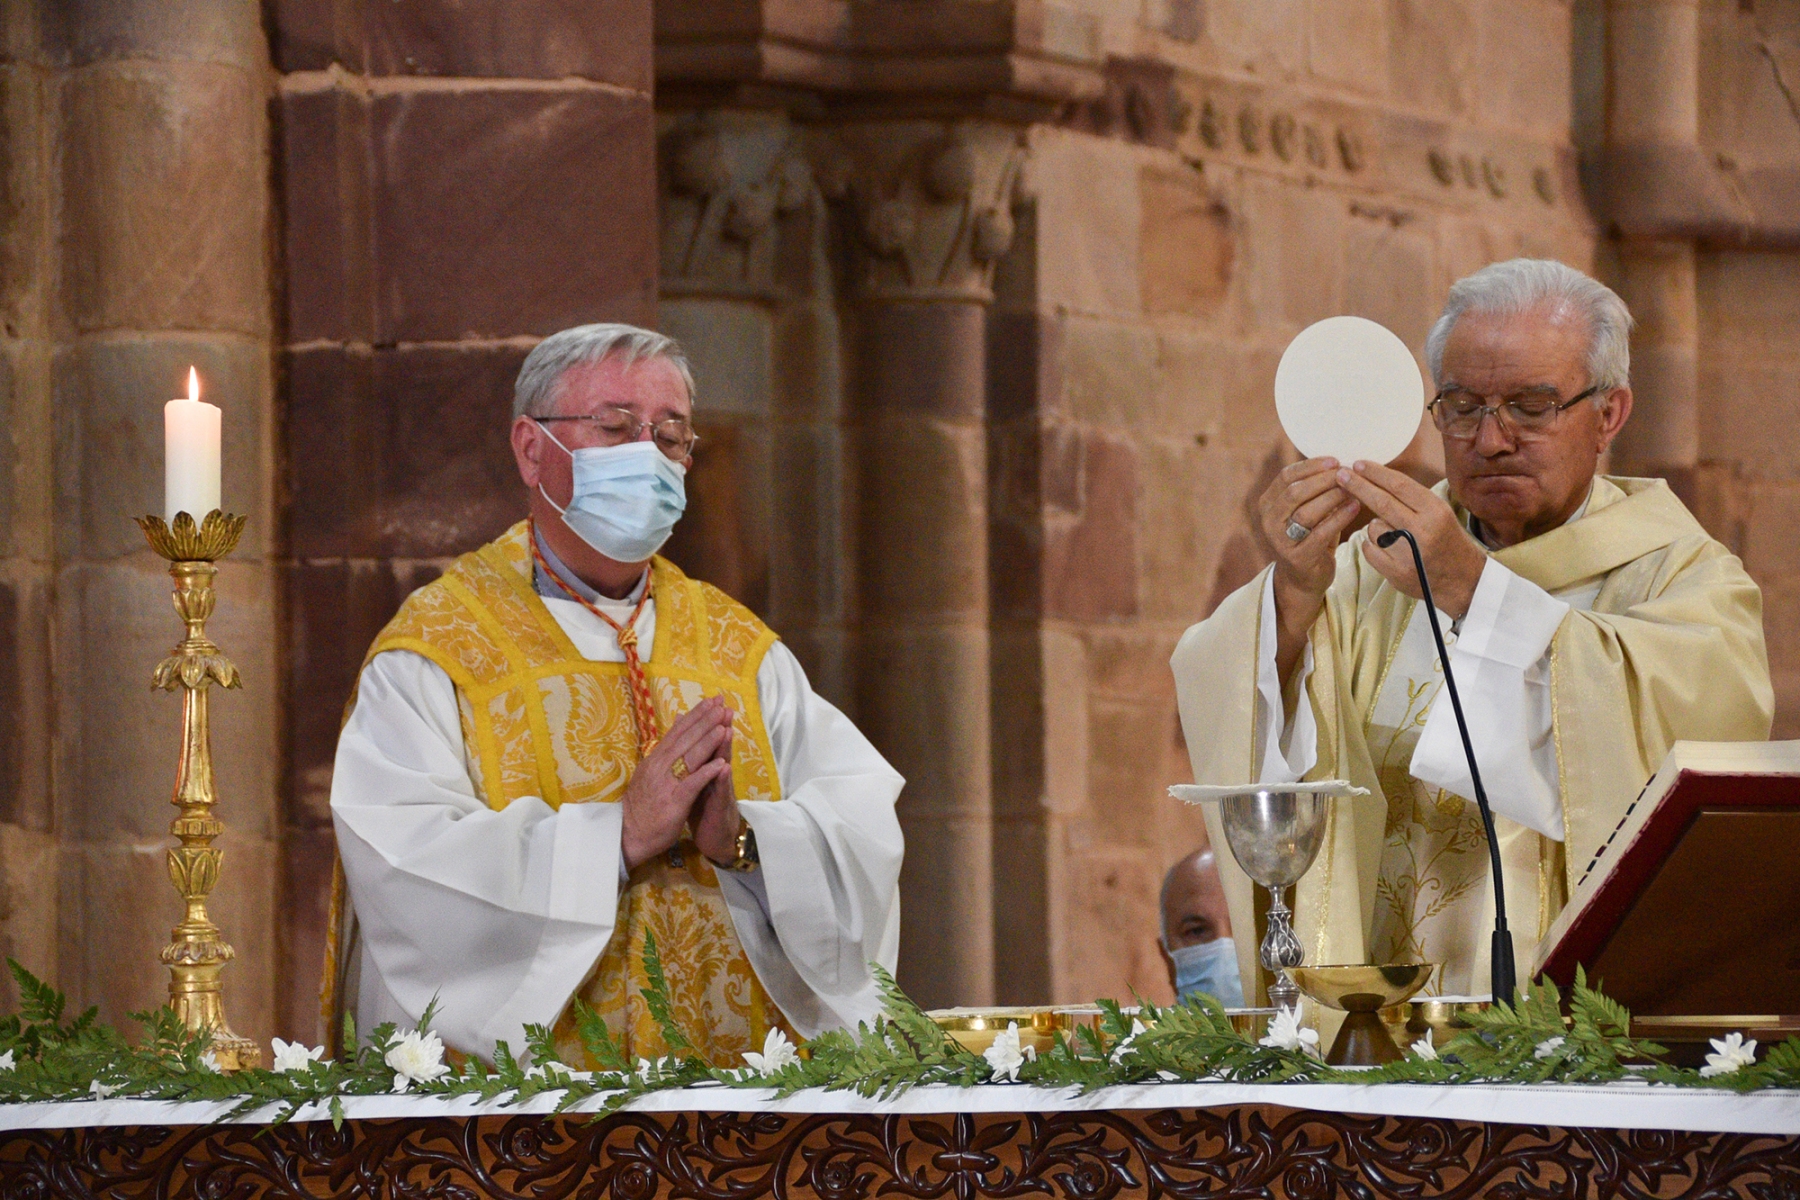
(456, 182)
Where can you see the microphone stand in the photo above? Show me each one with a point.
(1501, 955)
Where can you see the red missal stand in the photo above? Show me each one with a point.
(1689, 914)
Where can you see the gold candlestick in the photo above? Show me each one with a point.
(197, 956)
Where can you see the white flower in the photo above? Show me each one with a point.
(210, 1061)
(1548, 1048)
(1286, 1033)
(1005, 1056)
(100, 1091)
(1730, 1054)
(777, 1053)
(1119, 1051)
(294, 1056)
(417, 1057)
(6, 1061)
(1424, 1047)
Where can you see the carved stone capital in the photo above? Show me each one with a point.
(933, 205)
(732, 184)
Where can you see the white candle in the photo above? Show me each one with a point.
(190, 454)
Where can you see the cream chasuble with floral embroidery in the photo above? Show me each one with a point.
(1672, 648)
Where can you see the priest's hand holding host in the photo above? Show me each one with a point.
(1594, 623)
(565, 746)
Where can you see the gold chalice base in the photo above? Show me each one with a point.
(1362, 992)
(974, 1029)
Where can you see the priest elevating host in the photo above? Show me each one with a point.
(1592, 624)
(565, 744)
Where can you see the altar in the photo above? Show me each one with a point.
(1216, 1139)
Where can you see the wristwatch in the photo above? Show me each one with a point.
(747, 858)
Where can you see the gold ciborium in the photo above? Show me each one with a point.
(197, 955)
(1362, 992)
(974, 1029)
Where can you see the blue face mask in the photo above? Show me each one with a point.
(626, 498)
(1210, 967)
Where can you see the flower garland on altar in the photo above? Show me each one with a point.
(1530, 1041)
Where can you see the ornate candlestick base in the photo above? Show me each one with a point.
(197, 956)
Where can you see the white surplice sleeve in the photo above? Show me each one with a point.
(499, 915)
(826, 900)
(1289, 749)
(1502, 664)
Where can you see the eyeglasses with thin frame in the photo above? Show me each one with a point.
(1459, 414)
(674, 436)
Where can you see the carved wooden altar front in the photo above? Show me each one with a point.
(1241, 1151)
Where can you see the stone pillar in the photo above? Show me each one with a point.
(29, 73)
(746, 288)
(1656, 279)
(1653, 54)
(458, 181)
(164, 200)
(932, 205)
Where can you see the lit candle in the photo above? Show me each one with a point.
(190, 454)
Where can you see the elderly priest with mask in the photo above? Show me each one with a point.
(1591, 622)
(565, 745)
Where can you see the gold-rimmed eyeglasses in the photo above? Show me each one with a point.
(616, 426)
(1458, 413)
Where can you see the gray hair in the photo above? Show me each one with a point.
(534, 392)
(1521, 284)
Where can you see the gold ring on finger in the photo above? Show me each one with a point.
(1297, 532)
(679, 768)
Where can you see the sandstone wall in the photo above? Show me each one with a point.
(455, 181)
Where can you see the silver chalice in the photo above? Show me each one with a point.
(1274, 831)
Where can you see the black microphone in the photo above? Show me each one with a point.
(1504, 973)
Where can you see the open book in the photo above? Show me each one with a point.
(1692, 906)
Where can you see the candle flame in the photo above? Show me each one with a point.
(193, 384)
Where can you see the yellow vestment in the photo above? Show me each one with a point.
(538, 719)
(1672, 649)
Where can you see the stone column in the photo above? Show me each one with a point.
(164, 202)
(29, 73)
(745, 286)
(1653, 112)
(932, 205)
(1656, 279)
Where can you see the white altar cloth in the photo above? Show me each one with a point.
(1625, 1105)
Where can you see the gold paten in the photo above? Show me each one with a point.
(197, 956)
(974, 1029)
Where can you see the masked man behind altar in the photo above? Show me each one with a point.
(1592, 623)
(565, 745)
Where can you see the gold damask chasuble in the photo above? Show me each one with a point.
(538, 719)
(1672, 648)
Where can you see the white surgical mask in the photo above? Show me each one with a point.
(625, 500)
(1210, 967)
